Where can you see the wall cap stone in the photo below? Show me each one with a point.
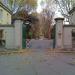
(59, 18)
(68, 25)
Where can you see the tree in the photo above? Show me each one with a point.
(65, 6)
(48, 13)
(47, 21)
(16, 5)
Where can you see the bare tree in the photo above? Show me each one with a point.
(15, 5)
(65, 6)
(47, 22)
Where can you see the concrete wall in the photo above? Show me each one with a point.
(9, 37)
(68, 37)
(59, 33)
(13, 35)
(18, 33)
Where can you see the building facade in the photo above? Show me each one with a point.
(5, 15)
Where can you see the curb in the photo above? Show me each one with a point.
(14, 52)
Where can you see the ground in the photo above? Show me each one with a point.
(37, 62)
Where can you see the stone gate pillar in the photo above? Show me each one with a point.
(18, 33)
(59, 33)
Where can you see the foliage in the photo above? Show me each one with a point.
(16, 5)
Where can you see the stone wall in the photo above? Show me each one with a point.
(9, 37)
(68, 36)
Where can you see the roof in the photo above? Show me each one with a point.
(72, 10)
(6, 8)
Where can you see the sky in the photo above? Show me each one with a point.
(39, 9)
(40, 5)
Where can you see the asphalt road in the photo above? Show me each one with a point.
(37, 63)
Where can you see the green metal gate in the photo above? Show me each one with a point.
(23, 36)
(54, 36)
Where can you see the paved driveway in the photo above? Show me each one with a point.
(37, 63)
(40, 44)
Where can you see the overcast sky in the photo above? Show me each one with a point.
(56, 10)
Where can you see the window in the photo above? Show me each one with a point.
(1, 13)
(7, 18)
(1, 34)
(73, 34)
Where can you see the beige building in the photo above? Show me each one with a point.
(6, 29)
(5, 15)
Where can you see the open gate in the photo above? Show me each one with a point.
(40, 44)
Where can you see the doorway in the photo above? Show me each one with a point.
(2, 42)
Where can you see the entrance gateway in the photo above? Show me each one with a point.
(16, 36)
(34, 43)
(63, 36)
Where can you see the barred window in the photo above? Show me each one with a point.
(1, 13)
(1, 34)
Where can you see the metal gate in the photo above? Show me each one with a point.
(23, 36)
